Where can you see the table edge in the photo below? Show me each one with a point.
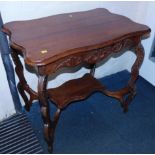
(16, 46)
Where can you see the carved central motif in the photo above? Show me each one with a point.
(91, 57)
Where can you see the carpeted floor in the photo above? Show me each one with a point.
(98, 125)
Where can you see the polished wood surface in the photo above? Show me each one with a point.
(74, 90)
(69, 40)
(43, 41)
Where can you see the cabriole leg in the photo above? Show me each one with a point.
(54, 124)
(139, 51)
(22, 85)
(43, 100)
(126, 94)
(49, 126)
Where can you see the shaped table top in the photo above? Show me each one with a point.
(45, 40)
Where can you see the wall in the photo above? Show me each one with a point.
(29, 10)
(148, 67)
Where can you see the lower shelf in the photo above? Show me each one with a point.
(74, 90)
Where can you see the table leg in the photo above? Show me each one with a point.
(49, 125)
(22, 84)
(92, 71)
(139, 51)
(43, 100)
(126, 94)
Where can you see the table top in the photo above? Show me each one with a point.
(45, 40)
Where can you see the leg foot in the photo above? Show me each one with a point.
(50, 149)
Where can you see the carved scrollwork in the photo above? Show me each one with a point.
(90, 57)
(139, 51)
(93, 56)
(117, 47)
(71, 61)
(23, 85)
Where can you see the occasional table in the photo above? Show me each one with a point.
(69, 40)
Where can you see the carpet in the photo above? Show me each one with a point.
(98, 124)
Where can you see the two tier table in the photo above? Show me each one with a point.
(68, 40)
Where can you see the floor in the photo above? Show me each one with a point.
(98, 124)
(18, 137)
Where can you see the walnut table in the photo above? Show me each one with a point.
(69, 40)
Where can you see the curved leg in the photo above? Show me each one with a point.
(56, 118)
(42, 82)
(139, 51)
(22, 85)
(54, 124)
(49, 126)
(126, 94)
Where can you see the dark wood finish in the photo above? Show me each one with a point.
(44, 104)
(22, 84)
(90, 57)
(69, 40)
(71, 33)
(74, 90)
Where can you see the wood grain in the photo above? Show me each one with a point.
(74, 90)
(65, 34)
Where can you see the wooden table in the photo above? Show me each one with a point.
(68, 40)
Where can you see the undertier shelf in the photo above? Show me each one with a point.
(74, 90)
